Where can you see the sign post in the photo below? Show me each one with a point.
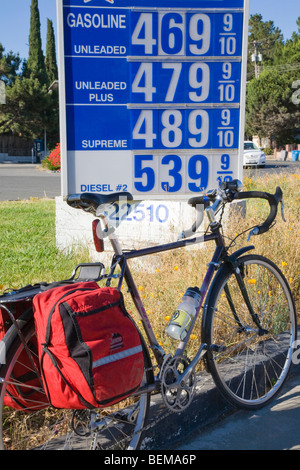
(152, 95)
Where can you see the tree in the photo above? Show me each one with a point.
(264, 38)
(35, 67)
(51, 120)
(24, 112)
(52, 117)
(50, 61)
(296, 34)
(270, 111)
(9, 66)
(29, 108)
(291, 52)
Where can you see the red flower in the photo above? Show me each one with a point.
(54, 158)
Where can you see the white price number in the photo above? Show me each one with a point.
(171, 38)
(171, 124)
(174, 33)
(198, 79)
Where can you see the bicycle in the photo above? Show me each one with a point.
(248, 329)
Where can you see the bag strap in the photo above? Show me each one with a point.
(48, 328)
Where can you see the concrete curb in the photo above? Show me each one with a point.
(208, 408)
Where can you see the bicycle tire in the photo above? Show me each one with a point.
(249, 365)
(119, 427)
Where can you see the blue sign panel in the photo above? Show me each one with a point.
(153, 94)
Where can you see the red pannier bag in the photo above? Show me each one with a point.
(90, 350)
(29, 397)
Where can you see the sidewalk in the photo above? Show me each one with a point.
(275, 427)
(6, 160)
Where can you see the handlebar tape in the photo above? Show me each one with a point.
(273, 200)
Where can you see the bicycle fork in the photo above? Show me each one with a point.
(239, 275)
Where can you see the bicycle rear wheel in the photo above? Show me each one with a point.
(119, 427)
(252, 354)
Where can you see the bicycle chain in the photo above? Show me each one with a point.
(146, 428)
(169, 410)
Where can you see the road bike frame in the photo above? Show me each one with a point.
(121, 258)
(97, 204)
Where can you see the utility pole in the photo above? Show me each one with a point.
(256, 57)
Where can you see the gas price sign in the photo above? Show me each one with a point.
(152, 95)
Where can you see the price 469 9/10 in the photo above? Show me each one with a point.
(174, 33)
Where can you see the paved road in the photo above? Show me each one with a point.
(273, 167)
(275, 427)
(22, 181)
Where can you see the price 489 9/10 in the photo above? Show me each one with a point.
(189, 129)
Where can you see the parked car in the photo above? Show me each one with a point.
(253, 156)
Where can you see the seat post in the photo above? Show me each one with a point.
(110, 229)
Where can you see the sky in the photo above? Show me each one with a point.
(15, 20)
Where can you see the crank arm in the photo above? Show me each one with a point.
(185, 375)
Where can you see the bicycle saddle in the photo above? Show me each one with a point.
(86, 200)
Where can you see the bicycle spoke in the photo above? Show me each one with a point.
(256, 344)
(118, 427)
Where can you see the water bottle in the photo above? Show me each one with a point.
(182, 317)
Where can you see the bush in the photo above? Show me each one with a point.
(268, 151)
(52, 162)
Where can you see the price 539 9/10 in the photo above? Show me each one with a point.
(173, 173)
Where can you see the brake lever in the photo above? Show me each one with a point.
(254, 231)
(282, 211)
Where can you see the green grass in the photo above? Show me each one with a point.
(28, 252)
(173, 272)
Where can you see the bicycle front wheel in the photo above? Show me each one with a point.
(252, 347)
(41, 427)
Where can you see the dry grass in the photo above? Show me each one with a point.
(173, 272)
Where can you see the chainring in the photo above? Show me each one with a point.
(177, 394)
